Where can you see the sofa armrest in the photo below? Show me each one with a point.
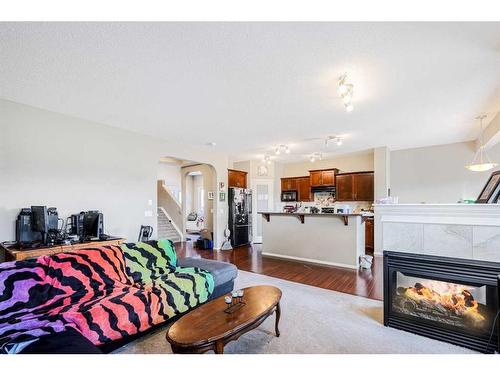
(222, 272)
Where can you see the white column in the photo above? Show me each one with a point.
(382, 171)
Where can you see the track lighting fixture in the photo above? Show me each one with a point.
(315, 156)
(346, 91)
(282, 148)
(335, 138)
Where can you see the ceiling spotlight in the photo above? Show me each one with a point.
(282, 148)
(315, 156)
(335, 138)
(346, 99)
(343, 89)
(267, 159)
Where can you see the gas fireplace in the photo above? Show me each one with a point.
(448, 299)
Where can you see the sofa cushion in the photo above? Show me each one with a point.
(221, 271)
(124, 312)
(149, 260)
(183, 289)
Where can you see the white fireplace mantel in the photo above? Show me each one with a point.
(457, 230)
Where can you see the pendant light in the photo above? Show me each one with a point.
(481, 161)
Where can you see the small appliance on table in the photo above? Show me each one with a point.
(209, 327)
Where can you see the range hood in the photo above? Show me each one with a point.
(323, 189)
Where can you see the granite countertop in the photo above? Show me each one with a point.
(310, 214)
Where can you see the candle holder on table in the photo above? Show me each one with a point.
(234, 301)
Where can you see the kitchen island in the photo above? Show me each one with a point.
(332, 239)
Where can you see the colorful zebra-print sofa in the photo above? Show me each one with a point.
(105, 293)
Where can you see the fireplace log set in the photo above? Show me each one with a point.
(456, 306)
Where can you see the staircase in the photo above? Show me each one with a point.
(166, 230)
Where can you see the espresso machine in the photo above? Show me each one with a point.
(240, 216)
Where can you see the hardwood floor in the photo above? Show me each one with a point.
(365, 283)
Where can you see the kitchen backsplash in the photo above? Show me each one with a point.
(356, 206)
(324, 199)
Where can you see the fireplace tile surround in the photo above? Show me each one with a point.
(469, 231)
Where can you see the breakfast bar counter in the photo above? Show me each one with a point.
(331, 239)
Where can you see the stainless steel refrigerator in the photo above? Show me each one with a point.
(240, 216)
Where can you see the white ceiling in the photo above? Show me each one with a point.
(251, 86)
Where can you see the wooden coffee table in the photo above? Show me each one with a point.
(208, 327)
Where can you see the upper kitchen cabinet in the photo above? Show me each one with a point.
(299, 184)
(316, 178)
(364, 186)
(304, 189)
(344, 187)
(328, 177)
(236, 178)
(289, 183)
(354, 186)
(323, 177)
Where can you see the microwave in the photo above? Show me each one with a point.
(289, 196)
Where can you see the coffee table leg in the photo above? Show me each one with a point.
(278, 314)
(219, 347)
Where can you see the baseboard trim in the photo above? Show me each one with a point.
(313, 261)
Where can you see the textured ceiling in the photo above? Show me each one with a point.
(251, 86)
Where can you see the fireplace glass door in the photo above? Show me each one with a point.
(454, 305)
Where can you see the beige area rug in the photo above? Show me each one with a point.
(314, 320)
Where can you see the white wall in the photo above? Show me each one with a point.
(51, 159)
(437, 174)
(354, 162)
(171, 174)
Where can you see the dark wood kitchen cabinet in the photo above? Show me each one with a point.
(364, 185)
(304, 189)
(328, 178)
(236, 178)
(288, 183)
(356, 186)
(322, 177)
(300, 184)
(369, 238)
(344, 190)
(316, 178)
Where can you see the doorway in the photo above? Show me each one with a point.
(262, 201)
(195, 203)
